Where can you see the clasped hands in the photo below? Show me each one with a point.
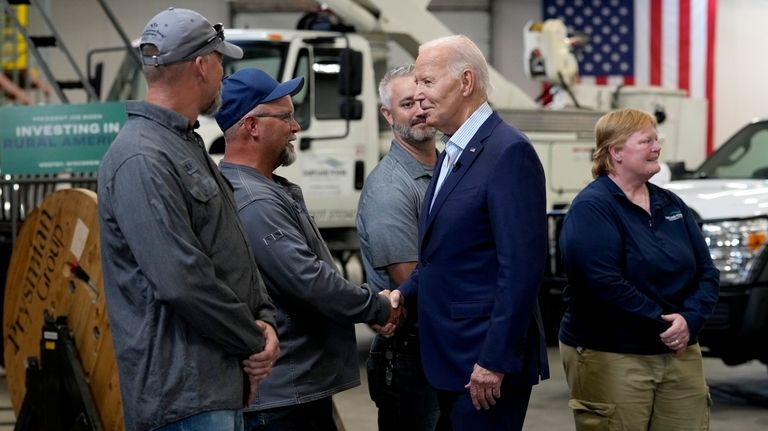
(259, 365)
(676, 337)
(397, 314)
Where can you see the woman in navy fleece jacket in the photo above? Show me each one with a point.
(641, 285)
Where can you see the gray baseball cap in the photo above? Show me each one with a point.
(183, 34)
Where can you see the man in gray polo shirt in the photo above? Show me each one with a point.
(387, 225)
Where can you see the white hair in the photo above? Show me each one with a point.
(464, 54)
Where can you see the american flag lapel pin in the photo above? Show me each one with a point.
(472, 150)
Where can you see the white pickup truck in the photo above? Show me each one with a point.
(729, 195)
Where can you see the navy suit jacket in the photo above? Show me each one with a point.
(481, 260)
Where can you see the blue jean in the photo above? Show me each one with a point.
(312, 416)
(215, 420)
(397, 385)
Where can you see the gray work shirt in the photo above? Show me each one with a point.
(316, 306)
(182, 287)
(388, 214)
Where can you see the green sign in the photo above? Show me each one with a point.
(57, 138)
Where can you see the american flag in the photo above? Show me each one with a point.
(667, 43)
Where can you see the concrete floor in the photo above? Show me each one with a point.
(740, 396)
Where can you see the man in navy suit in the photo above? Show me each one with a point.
(482, 239)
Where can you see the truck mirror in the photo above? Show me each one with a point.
(305, 143)
(351, 109)
(350, 72)
(760, 173)
(678, 170)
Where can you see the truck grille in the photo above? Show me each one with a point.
(721, 316)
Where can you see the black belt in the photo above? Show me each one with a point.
(400, 343)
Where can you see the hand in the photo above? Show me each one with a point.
(484, 387)
(259, 365)
(397, 314)
(676, 337)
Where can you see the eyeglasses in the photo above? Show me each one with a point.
(285, 116)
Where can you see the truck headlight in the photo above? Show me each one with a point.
(735, 245)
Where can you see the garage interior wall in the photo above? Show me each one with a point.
(741, 86)
(496, 25)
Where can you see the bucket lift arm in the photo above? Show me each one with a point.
(409, 23)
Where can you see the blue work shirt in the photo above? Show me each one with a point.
(316, 307)
(626, 268)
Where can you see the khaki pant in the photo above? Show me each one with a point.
(614, 391)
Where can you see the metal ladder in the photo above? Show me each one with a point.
(54, 40)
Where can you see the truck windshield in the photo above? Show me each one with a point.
(745, 155)
(267, 56)
(129, 83)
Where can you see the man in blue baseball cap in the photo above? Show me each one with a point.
(316, 307)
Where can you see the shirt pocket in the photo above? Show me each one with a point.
(471, 309)
(203, 189)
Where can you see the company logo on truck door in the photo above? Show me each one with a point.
(329, 175)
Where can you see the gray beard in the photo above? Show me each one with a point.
(214, 106)
(414, 136)
(287, 157)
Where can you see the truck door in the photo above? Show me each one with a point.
(337, 146)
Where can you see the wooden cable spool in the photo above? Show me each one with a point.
(63, 230)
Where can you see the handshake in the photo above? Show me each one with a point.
(397, 314)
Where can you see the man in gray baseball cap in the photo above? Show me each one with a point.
(192, 325)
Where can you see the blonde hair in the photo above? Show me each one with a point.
(612, 130)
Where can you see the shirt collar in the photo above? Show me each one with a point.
(656, 199)
(249, 170)
(169, 118)
(413, 167)
(469, 128)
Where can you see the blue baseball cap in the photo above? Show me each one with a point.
(247, 88)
